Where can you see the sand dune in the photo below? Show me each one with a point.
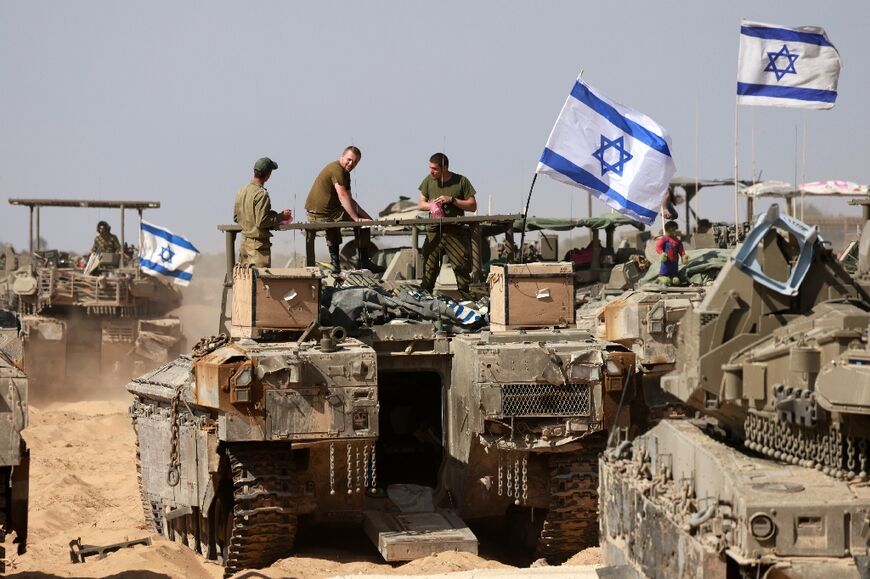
(83, 484)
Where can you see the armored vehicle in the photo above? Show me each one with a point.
(81, 322)
(14, 455)
(772, 481)
(410, 429)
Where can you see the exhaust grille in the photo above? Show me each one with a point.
(546, 400)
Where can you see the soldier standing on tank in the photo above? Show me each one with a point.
(253, 211)
(105, 241)
(455, 195)
(330, 200)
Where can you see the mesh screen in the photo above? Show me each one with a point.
(546, 400)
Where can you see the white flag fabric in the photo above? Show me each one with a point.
(619, 155)
(786, 67)
(165, 254)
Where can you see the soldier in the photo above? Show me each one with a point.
(253, 211)
(330, 200)
(105, 241)
(455, 195)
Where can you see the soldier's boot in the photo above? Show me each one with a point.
(334, 259)
(365, 262)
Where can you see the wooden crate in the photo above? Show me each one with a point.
(531, 295)
(273, 298)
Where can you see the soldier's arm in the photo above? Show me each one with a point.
(263, 214)
(347, 201)
(468, 201)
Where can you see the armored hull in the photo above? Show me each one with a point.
(240, 440)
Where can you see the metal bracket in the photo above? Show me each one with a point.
(78, 552)
(747, 260)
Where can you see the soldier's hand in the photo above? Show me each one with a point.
(287, 215)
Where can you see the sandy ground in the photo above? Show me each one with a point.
(83, 484)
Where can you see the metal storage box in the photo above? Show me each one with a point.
(531, 295)
(273, 298)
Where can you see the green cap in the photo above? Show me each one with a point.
(265, 164)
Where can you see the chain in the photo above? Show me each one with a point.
(366, 465)
(516, 480)
(374, 467)
(525, 478)
(509, 477)
(349, 472)
(209, 344)
(331, 468)
(500, 465)
(173, 477)
(358, 469)
(850, 456)
(862, 447)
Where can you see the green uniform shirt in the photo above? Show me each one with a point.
(457, 186)
(323, 198)
(106, 244)
(253, 211)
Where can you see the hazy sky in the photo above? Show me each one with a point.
(174, 101)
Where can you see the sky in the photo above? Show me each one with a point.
(174, 101)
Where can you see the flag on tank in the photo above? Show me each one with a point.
(786, 67)
(619, 155)
(165, 254)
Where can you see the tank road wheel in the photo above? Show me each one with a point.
(571, 524)
(262, 526)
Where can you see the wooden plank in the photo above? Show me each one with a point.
(409, 536)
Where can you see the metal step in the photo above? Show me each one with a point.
(408, 536)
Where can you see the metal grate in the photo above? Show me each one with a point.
(546, 400)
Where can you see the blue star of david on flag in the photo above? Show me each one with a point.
(775, 56)
(166, 254)
(618, 145)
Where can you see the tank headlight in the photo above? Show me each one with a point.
(612, 368)
(762, 526)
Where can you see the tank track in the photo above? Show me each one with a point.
(571, 524)
(5, 504)
(153, 513)
(263, 522)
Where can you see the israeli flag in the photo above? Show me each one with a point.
(786, 67)
(167, 254)
(619, 155)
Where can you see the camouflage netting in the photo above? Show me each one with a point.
(552, 224)
(702, 268)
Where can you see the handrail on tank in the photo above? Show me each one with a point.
(410, 227)
(139, 206)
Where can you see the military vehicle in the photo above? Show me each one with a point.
(772, 481)
(14, 455)
(410, 430)
(106, 319)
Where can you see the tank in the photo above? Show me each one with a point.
(770, 481)
(14, 455)
(417, 431)
(104, 320)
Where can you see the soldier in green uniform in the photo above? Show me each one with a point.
(330, 200)
(105, 241)
(253, 211)
(454, 193)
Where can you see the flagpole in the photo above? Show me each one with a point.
(804, 166)
(525, 217)
(736, 179)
